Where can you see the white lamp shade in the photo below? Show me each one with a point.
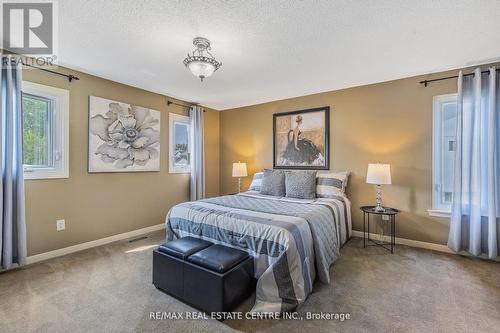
(379, 174)
(201, 68)
(239, 169)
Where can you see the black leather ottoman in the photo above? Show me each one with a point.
(212, 278)
(218, 278)
(168, 263)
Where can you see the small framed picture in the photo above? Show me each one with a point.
(301, 139)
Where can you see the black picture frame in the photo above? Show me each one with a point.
(326, 144)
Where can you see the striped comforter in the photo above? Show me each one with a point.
(290, 239)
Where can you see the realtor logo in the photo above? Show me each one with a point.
(29, 27)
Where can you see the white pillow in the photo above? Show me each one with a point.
(256, 181)
(330, 183)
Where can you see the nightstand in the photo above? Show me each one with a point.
(391, 213)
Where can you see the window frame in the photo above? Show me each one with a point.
(438, 209)
(60, 131)
(172, 119)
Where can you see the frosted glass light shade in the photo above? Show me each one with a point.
(239, 169)
(201, 69)
(379, 174)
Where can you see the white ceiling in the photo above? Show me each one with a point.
(274, 49)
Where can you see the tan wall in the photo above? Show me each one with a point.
(100, 205)
(389, 122)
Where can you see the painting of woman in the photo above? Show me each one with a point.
(301, 139)
(300, 150)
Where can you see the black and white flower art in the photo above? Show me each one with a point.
(122, 137)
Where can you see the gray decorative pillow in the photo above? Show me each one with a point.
(300, 184)
(256, 182)
(273, 183)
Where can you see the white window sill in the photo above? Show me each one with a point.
(439, 213)
(33, 174)
(179, 171)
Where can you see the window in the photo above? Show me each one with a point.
(444, 147)
(180, 144)
(45, 131)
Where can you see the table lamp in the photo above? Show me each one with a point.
(379, 174)
(239, 170)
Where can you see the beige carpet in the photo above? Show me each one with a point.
(108, 289)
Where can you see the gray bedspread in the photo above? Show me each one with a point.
(288, 238)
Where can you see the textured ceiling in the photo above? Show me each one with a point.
(274, 49)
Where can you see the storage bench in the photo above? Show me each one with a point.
(212, 278)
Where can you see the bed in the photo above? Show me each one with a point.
(293, 241)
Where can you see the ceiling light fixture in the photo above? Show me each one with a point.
(201, 62)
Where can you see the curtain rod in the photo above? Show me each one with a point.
(183, 105)
(69, 76)
(426, 82)
(178, 104)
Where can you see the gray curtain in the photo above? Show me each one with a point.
(475, 215)
(197, 154)
(12, 224)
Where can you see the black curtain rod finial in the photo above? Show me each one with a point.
(72, 77)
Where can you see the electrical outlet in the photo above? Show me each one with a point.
(60, 225)
(385, 217)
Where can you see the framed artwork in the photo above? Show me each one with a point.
(122, 137)
(179, 151)
(301, 139)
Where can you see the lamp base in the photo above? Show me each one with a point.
(378, 207)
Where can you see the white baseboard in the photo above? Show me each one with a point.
(98, 242)
(134, 233)
(408, 242)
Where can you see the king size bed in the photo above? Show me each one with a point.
(292, 240)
